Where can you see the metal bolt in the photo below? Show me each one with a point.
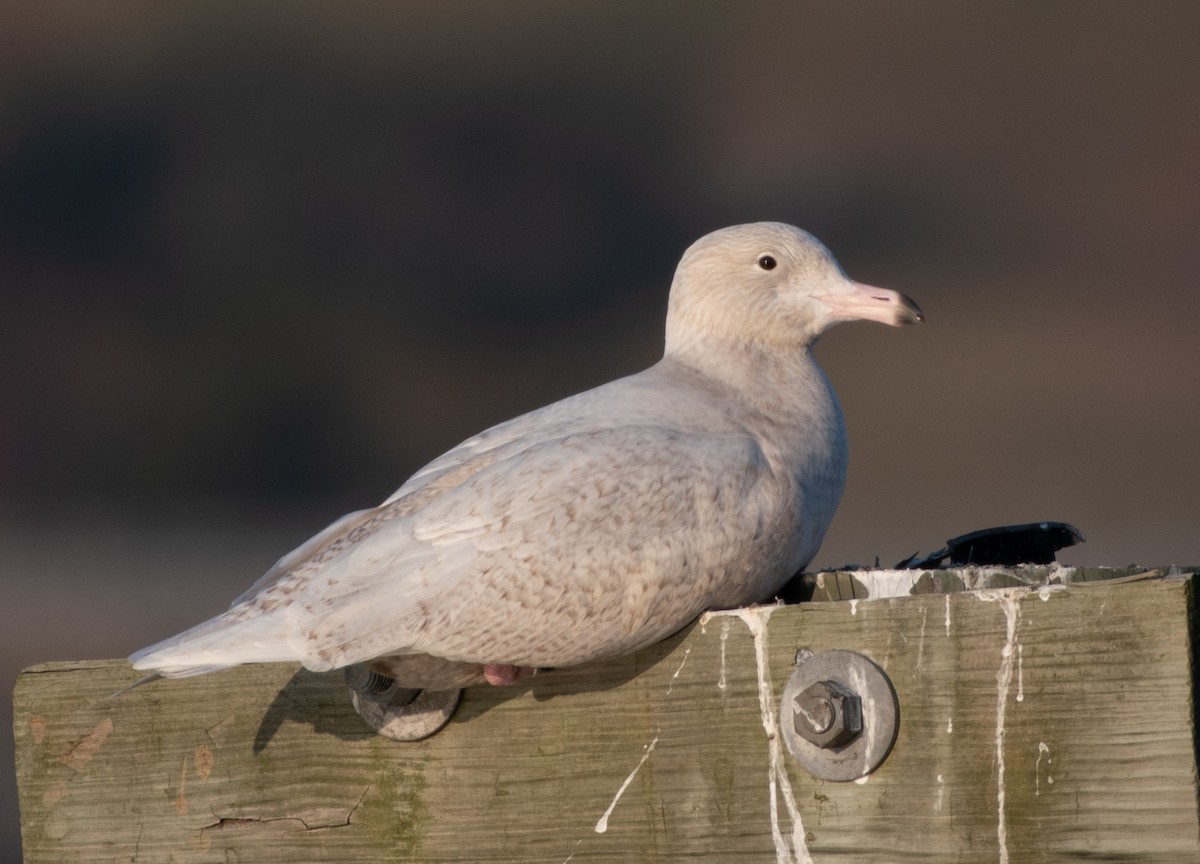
(397, 712)
(367, 681)
(838, 732)
(827, 715)
(377, 687)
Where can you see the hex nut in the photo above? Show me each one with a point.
(827, 715)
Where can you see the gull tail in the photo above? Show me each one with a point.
(228, 640)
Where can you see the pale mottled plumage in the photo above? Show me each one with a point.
(596, 525)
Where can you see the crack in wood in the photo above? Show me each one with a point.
(235, 822)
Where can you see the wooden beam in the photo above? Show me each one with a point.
(1035, 725)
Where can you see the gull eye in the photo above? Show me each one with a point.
(766, 262)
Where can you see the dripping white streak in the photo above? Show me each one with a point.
(680, 669)
(755, 619)
(602, 825)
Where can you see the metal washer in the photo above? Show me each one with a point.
(880, 714)
(395, 712)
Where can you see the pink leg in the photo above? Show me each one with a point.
(500, 674)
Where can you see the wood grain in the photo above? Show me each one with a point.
(1036, 725)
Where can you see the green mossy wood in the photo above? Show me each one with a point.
(1036, 724)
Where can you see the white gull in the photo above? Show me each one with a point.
(599, 524)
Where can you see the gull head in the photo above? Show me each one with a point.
(770, 284)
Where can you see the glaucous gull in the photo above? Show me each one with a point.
(599, 524)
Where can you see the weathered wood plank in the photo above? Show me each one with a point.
(1035, 726)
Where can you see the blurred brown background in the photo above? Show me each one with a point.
(259, 262)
